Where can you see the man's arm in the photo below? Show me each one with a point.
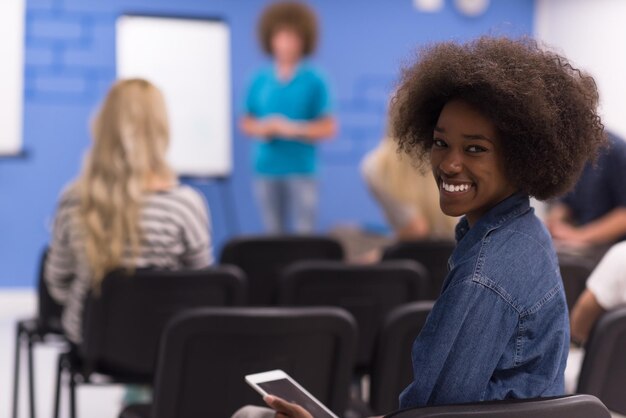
(607, 229)
(313, 131)
(557, 214)
(255, 127)
(278, 126)
(584, 315)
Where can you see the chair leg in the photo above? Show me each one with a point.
(72, 395)
(57, 391)
(31, 378)
(16, 370)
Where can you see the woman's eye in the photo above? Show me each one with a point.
(439, 143)
(475, 149)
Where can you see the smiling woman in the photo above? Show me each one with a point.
(499, 120)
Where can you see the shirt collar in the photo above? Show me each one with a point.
(509, 208)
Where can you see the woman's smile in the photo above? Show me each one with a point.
(455, 188)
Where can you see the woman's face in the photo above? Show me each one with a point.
(467, 161)
(286, 45)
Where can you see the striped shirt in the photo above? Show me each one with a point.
(175, 234)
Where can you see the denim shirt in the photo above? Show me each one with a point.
(500, 328)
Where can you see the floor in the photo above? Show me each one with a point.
(93, 402)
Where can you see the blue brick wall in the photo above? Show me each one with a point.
(70, 62)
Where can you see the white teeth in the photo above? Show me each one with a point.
(457, 188)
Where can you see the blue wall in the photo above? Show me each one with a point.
(70, 62)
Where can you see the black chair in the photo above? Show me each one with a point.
(603, 372)
(206, 353)
(574, 273)
(393, 368)
(46, 326)
(263, 258)
(124, 319)
(368, 292)
(432, 254)
(575, 406)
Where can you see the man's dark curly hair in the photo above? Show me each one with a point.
(288, 14)
(545, 110)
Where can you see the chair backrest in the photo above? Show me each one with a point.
(574, 406)
(206, 353)
(432, 254)
(122, 324)
(393, 368)
(368, 292)
(263, 258)
(574, 273)
(48, 310)
(603, 372)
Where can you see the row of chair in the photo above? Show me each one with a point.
(123, 344)
(202, 355)
(150, 297)
(266, 259)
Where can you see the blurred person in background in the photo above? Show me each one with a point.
(287, 112)
(126, 209)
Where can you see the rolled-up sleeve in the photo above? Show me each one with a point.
(460, 346)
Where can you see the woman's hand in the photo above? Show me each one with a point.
(286, 409)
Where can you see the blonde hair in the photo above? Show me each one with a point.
(407, 184)
(130, 141)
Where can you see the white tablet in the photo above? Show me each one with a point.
(280, 384)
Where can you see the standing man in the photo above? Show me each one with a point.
(287, 113)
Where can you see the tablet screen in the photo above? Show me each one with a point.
(283, 388)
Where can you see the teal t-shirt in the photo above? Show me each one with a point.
(303, 98)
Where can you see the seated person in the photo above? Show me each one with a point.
(408, 198)
(606, 290)
(594, 212)
(125, 209)
(488, 117)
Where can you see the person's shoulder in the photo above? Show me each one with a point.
(616, 255)
(618, 250)
(312, 74)
(266, 72)
(182, 193)
(520, 259)
(525, 234)
(69, 196)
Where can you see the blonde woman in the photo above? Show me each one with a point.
(126, 208)
(408, 198)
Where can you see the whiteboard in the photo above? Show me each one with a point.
(11, 75)
(189, 60)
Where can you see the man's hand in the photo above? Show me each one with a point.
(569, 235)
(286, 128)
(286, 409)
